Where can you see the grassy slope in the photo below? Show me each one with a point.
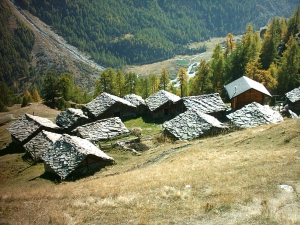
(229, 179)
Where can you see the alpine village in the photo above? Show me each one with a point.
(149, 112)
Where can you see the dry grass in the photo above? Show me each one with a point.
(230, 179)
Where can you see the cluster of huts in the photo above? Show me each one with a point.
(68, 148)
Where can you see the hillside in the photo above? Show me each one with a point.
(117, 33)
(245, 177)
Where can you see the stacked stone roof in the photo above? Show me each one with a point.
(102, 129)
(254, 114)
(192, 124)
(293, 95)
(209, 103)
(27, 125)
(103, 102)
(135, 100)
(160, 98)
(40, 143)
(68, 152)
(69, 117)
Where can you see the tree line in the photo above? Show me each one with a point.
(273, 61)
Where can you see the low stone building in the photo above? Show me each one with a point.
(102, 129)
(193, 124)
(28, 126)
(254, 114)
(71, 118)
(293, 100)
(164, 104)
(40, 143)
(107, 105)
(71, 155)
(244, 90)
(138, 102)
(211, 104)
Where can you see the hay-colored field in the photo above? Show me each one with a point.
(227, 179)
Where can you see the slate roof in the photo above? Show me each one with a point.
(40, 143)
(192, 124)
(135, 100)
(103, 102)
(102, 129)
(161, 97)
(68, 152)
(243, 84)
(27, 125)
(254, 114)
(69, 117)
(293, 95)
(209, 103)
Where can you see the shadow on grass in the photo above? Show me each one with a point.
(12, 148)
(74, 176)
(150, 119)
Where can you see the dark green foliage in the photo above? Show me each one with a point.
(15, 46)
(62, 104)
(116, 33)
(3, 107)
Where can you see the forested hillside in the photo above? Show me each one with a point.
(116, 33)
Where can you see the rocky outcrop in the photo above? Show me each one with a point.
(193, 124)
(102, 129)
(253, 115)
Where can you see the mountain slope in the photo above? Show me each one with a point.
(48, 52)
(116, 33)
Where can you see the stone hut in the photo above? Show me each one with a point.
(138, 102)
(293, 100)
(244, 90)
(28, 126)
(210, 104)
(254, 114)
(193, 124)
(40, 143)
(71, 155)
(107, 105)
(71, 118)
(102, 129)
(164, 104)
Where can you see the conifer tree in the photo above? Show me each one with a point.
(164, 79)
(182, 78)
(202, 80)
(289, 69)
(145, 90)
(154, 83)
(36, 96)
(66, 86)
(131, 83)
(255, 72)
(230, 43)
(120, 83)
(272, 39)
(217, 66)
(50, 87)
